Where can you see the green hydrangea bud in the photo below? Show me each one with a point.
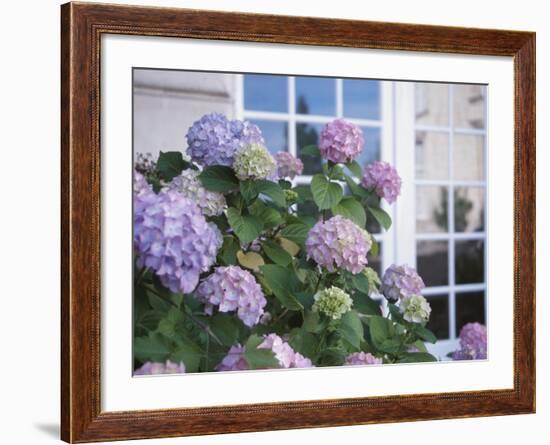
(372, 276)
(291, 196)
(333, 302)
(254, 161)
(415, 309)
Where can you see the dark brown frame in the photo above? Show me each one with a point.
(81, 28)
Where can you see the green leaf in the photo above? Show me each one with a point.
(226, 328)
(351, 209)
(282, 281)
(153, 347)
(189, 353)
(351, 329)
(391, 345)
(228, 252)
(380, 329)
(248, 190)
(425, 334)
(157, 302)
(365, 305)
(310, 150)
(374, 248)
(419, 344)
(361, 282)
(326, 194)
(259, 358)
(355, 169)
(415, 357)
(170, 164)
(355, 188)
(313, 323)
(276, 254)
(272, 190)
(219, 178)
(381, 216)
(250, 260)
(295, 232)
(167, 325)
(304, 193)
(303, 342)
(246, 227)
(268, 215)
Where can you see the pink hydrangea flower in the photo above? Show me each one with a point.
(362, 358)
(401, 282)
(234, 360)
(473, 342)
(288, 166)
(384, 179)
(340, 141)
(153, 368)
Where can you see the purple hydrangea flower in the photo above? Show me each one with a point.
(384, 179)
(152, 368)
(141, 184)
(234, 289)
(172, 237)
(338, 242)
(401, 282)
(285, 355)
(145, 163)
(362, 358)
(214, 140)
(288, 166)
(473, 342)
(340, 141)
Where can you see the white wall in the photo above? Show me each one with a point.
(30, 224)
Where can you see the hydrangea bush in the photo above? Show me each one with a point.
(229, 275)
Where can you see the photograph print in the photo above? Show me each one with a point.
(284, 221)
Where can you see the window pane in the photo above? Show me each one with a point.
(469, 106)
(316, 95)
(275, 134)
(371, 149)
(468, 157)
(432, 155)
(265, 92)
(308, 134)
(469, 262)
(431, 209)
(432, 259)
(439, 317)
(469, 209)
(470, 308)
(432, 104)
(361, 98)
(376, 261)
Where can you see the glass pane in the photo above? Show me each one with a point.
(275, 134)
(439, 318)
(361, 98)
(371, 149)
(468, 157)
(469, 209)
(265, 92)
(470, 308)
(431, 209)
(316, 95)
(432, 104)
(308, 134)
(376, 261)
(469, 106)
(469, 262)
(432, 260)
(432, 155)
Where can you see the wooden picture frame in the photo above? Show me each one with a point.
(82, 26)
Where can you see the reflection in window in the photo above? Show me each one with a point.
(468, 157)
(432, 262)
(469, 106)
(275, 134)
(308, 134)
(470, 308)
(316, 95)
(361, 98)
(371, 150)
(469, 209)
(432, 104)
(469, 262)
(432, 155)
(432, 209)
(265, 92)
(439, 317)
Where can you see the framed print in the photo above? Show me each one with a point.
(275, 222)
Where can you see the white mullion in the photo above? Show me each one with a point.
(451, 222)
(470, 287)
(238, 105)
(447, 183)
(339, 98)
(461, 236)
(445, 129)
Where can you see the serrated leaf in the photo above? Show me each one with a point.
(228, 252)
(250, 260)
(226, 328)
(259, 358)
(267, 215)
(246, 227)
(189, 353)
(326, 194)
(295, 232)
(380, 329)
(219, 178)
(170, 164)
(355, 188)
(248, 190)
(416, 357)
(303, 342)
(289, 246)
(281, 281)
(153, 347)
(355, 169)
(272, 190)
(351, 329)
(425, 333)
(361, 282)
(381, 216)
(365, 305)
(276, 253)
(351, 209)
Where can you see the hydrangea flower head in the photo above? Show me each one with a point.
(338, 242)
(415, 309)
(214, 140)
(153, 368)
(253, 161)
(188, 184)
(333, 302)
(234, 360)
(400, 282)
(234, 289)
(141, 184)
(473, 342)
(172, 237)
(372, 276)
(340, 141)
(384, 179)
(362, 358)
(288, 165)
(145, 163)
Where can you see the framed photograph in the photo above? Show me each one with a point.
(275, 222)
